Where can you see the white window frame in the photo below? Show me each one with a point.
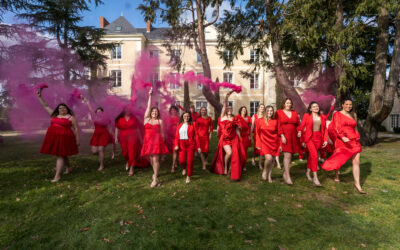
(394, 118)
(254, 105)
(200, 104)
(154, 53)
(256, 84)
(116, 53)
(199, 86)
(173, 52)
(115, 78)
(230, 54)
(174, 86)
(228, 72)
(255, 54)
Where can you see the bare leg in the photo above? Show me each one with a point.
(278, 164)
(113, 151)
(174, 157)
(315, 180)
(270, 165)
(356, 173)
(95, 150)
(68, 166)
(156, 168)
(227, 159)
(204, 160)
(336, 179)
(101, 158)
(59, 167)
(286, 163)
(260, 162)
(308, 174)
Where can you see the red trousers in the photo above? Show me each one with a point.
(313, 145)
(186, 155)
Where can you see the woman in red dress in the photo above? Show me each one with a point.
(314, 138)
(127, 126)
(254, 119)
(219, 127)
(245, 137)
(288, 125)
(193, 113)
(102, 133)
(186, 142)
(347, 143)
(153, 143)
(171, 122)
(329, 148)
(205, 128)
(60, 140)
(229, 148)
(268, 141)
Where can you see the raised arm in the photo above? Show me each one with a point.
(84, 100)
(44, 104)
(225, 104)
(147, 113)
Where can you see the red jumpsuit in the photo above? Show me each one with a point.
(129, 138)
(187, 147)
(343, 126)
(267, 137)
(204, 128)
(313, 139)
(229, 137)
(244, 125)
(289, 127)
(59, 139)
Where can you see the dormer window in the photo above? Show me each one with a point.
(118, 28)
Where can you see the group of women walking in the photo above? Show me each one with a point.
(273, 133)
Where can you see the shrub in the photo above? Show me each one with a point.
(396, 130)
(382, 128)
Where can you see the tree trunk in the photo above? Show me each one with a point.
(383, 93)
(186, 98)
(280, 72)
(340, 73)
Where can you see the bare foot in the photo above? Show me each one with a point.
(264, 175)
(184, 172)
(68, 170)
(101, 168)
(253, 162)
(130, 172)
(55, 180)
(112, 155)
(308, 175)
(126, 166)
(154, 183)
(172, 169)
(187, 179)
(316, 182)
(287, 179)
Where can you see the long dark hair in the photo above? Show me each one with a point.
(122, 114)
(190, 118)
(240, 110)
(158, 111)
(100, 108)
(352, 111)
(173, 108)
(309, 108)
(56, 113)
(283, 103)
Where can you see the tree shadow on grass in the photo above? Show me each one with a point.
(347, 172)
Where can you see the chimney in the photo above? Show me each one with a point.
(148, 28)
(103, 22)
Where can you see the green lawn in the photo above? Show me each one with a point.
(96, 210)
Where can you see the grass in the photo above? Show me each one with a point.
(109, 210)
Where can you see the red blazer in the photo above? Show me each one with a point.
(192, 135)
(306, 128)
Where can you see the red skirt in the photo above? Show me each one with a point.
(59, 141)
(342, 153)
(100, 137)
(153, 145)
(204, 144)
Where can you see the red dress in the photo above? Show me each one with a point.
(101, 136)
(245, 125)
(255, 150)
(219, 132)
(194, 116)
(59, 139)
(170, 124)
(129, 139)
(229, 137)
(204, 128)
(343, 126)
(267, 137)
(153, 143)
(289, 127)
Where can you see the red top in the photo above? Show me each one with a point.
(194, 115)
(267, 137)
(204, 126)
(127, 125)
(244, 124)
(345, 126)
(228, 131)
(192, 135)
(306, 128)
(285, 123)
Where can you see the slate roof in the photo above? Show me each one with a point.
(127, 28)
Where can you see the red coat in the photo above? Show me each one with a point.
(306, 128)
(192, 135)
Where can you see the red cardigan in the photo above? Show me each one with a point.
(192, 135)
(306, 128)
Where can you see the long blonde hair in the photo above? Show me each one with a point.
(265, 116)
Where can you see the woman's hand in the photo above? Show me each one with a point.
(176, 148)
(299, 134)
(345, 139)
(283, 138)
(304, 145)
(199, 150)
(333, 101)
(39, 93)
(151, 91)
(324, 144)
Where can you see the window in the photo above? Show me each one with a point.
(116, 52)
(198, 58)
(154, 78)
(177, 103)
(118, 28)
(254, 81)
(253, 107)
(395, 120)
(174, 85)
(200, 104)
(175, 56)
(153, 53)
(228, 57)
(199, 85)
(228, 77)
(115, 76)
(254, 56)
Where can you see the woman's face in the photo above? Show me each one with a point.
(99, 112)
(127, 111)
(270, 113)
(288, 105)
(154, 114)
(347, 106)
(261, 108)
(192, 109)
(173, 112)
(203, 111)
(315, 108)
(229, 110)
(243, 112)
(186, 117)
(62, 110)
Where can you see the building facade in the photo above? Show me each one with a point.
(260, 88)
